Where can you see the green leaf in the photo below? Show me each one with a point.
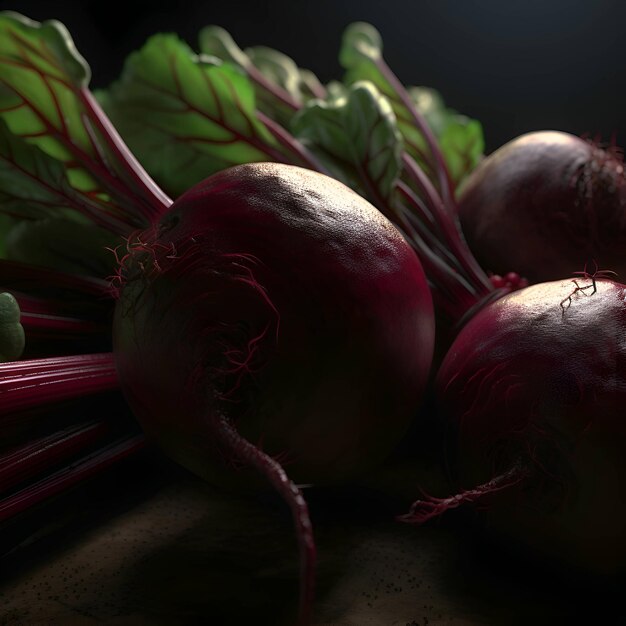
(336, 90)
(361, 56)
(283, 79)
(357, 137)
(459, 138)
(361, 43)
(186, 116)
(463, 145)
(63, 245)
(281, 71)
(216, 41)
(430, 104)
(39, 73)
(310, 85)
(12, 338)
(33, 184)
(45, 105)
(278, 68)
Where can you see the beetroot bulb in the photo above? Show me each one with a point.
(273, 316)
(545, 205)
(532, 391)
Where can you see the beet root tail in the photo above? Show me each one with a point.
(430, 507)
(251, 455)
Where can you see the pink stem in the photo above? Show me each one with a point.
(156, 201)
(28, 384)
(62, 480)
(27, 460)
(44, 325)
(449, 228)
(51, 329)
(445, 182)
(278, 92)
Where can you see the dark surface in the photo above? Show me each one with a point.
(515, 66)
(157, 547)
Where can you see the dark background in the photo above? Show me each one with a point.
(515, 66)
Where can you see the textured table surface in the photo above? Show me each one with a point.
(176, 552)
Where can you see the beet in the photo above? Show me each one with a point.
(545, 205)
(533, 390)
(272, 314)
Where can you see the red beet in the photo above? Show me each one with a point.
(273, 308)
(534, 389)
(545, 205)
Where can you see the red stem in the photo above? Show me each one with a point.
(28, 384)
(37, 325)
(27, 460)
(60, 327)
(278, 92)
(420, 218)
(78, 472)
(445, 181)
(156, 201)
(449, 229)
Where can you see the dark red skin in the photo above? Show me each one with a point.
(544, 205)
(340, 299)
(529, 382)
